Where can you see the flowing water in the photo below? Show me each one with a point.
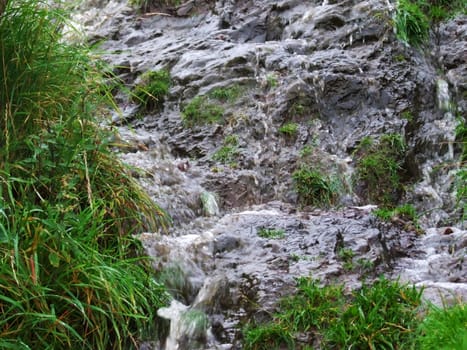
(216, 260)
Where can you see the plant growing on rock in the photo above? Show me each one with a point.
(152, 89)
(200, 111)
(289, 129)
(411, 23)
(378, 168)
(405, 214)
(346, 255)
(413, 18)
(227, 94)
(228, 152)
(377, 316)
(265, 232)
(313, 187)
(271, 80)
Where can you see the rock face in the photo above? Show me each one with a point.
(332, 71)
(334, 68)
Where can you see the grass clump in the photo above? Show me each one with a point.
(379, 169)
(228, 152)
(200, 111)
(267, 337)
(271, 80)
(378, 316)
(411, 23)
(313, 187)
(275, 233)
(152, 89)
(289, 129)
(346, 255)
(444, 328)
(405, 212)
(227, 94)
(413, 19)
(71, 274)
(209, 108)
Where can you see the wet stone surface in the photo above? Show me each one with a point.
(248, 273)
(335, 69)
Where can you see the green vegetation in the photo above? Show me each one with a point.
(267, 337)
(413, 18)
(70, 275)
(289, 129)
(405, 212)
(271, 232)
(209, 109)
(228, 152)
(271, 80)
(407, 115)
(412, 25)
(346, 255)
(227, 94)
(378, 169)
(200, 111)
(444, 329)
(152, 89)
(306, 151)
(377, 316)
(313, 187)
(298, 109)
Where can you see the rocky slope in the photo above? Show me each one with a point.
(335, 70)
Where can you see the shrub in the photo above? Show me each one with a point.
(152, 89)
(378, 169)
(313, 187)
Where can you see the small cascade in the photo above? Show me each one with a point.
(448, 123)
(209, 202)
(188, 327)
(173, 313)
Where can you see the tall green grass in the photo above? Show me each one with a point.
(61, 290)
(414, 19)
(71, 272)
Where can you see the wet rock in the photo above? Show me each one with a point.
(336, 70)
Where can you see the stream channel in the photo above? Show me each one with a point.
(327, 66)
